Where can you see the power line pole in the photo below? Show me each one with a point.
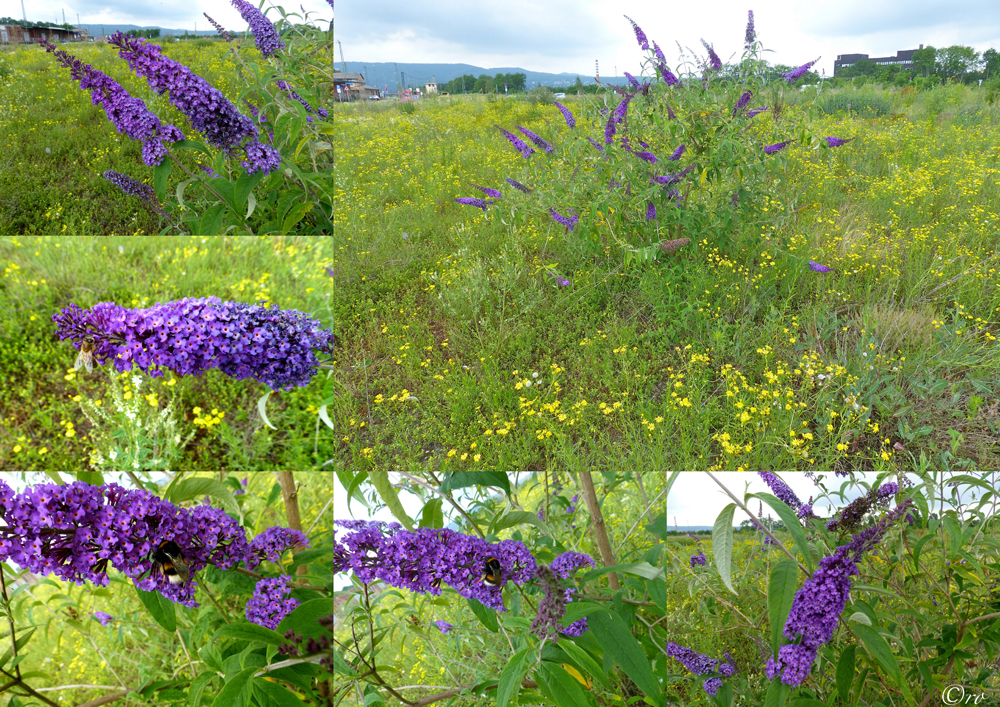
(397, 78)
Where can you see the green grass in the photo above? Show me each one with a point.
(59, 144)
(43, 425)
(461, 352)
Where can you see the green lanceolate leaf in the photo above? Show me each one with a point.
(781, 588)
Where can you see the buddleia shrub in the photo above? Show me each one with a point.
(678, 154)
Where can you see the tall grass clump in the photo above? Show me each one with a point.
(863, 105)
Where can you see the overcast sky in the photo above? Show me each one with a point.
(154, 13)
(568, 35)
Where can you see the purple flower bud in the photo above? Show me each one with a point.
(646, 157)
(755, 111)
(813, 265)
(650, 211)
(836, 141)
(218, 28)
(676, 154)
(631, 80)
(751, 35)
(596, 144)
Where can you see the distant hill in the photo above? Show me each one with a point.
(108, 30)
(383, 74)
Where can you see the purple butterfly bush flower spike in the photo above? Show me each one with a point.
(755, 111)
(270, 345)
(268, 41)
(639, 34)
(536, 139)
(676, 154)
(795, 74)
(646, 157)
(742, 103)
(713, 59)
(631, 80)
(517, 142)
(751, 35)
(570, 120)
(473, 201)
(134, 188)
(771, 149)
(129, 115)
(650, 211)
(209, 111)
(296, 97)
(813, 265)
(596, 144)
(518, 186)
(487, 191)
(218, 28)
(569, 223)
(836, 141)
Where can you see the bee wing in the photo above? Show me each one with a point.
(89, 363)
(79, 361)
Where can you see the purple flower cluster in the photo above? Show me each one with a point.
(261, 119)
(270, 602)
(129, 115)
(569, 222)
(698, 559)
(795, 74)
(639, 34)
(676, 154)
(742, 103)
(813, 265)
(270, 544)
(668, 179)
(444, 626)
(646, 157)
(751, 35)
(631, 80)
(700, 664)
(268, 41)
(650, 211)
(296, 97)
(836, 141)
(473, 201)
(552, 607)
(105, 619)
(714, 62)
(189, 336)
(518, 186)
(819, 603)
(617, 117)
(75, 531)
(422, 559)
(131, 186)
(487, 191)
(570, 120)
(209, 111)
(782, 491)
(517, 142)
(754, 111)
(596, 144)
(771, 149)
(218, 28)
(536, 139)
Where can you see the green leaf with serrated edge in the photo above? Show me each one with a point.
(160, 174)
(781, 588)
(722, 544)
(211, 221)
(262, 409)
(845, 672)
(192, 145)
(791, 521)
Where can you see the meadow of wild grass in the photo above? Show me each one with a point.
(484, 340)
(58, 144)
(215, 417)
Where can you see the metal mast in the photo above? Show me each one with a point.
(343, 63)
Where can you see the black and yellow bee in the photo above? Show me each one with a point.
(493, 573)
(172, 562)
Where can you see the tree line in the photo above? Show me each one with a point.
(956, 63)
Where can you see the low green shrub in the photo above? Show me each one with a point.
(863, 104)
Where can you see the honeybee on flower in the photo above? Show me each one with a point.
(86, 356)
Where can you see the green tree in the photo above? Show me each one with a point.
(991, 63)
(578, 86)
(923, 60)
(955, 61)
(865, 67)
